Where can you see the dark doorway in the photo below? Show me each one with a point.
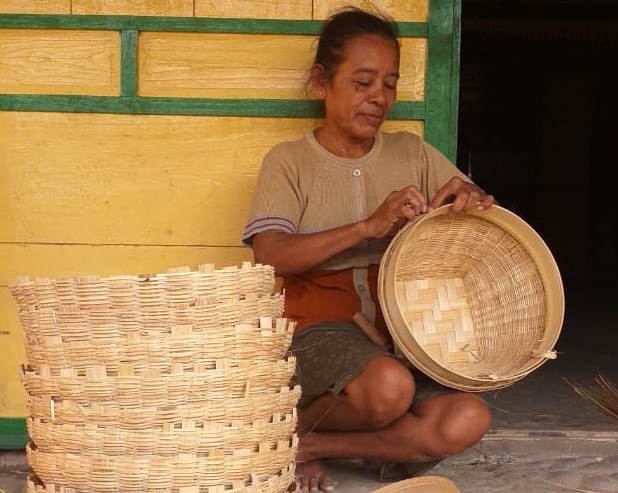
(538, 124)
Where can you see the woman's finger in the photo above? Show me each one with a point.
(417, 199)
(441, 196)
(486, 202)
(460, 202)
(474, 198)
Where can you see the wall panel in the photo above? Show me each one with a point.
(12, 397)
(255, 9)
(248, 65)
(34, 61)
(134, 179)
(81, 260)
(35, 7)
(400, 10)
(173, 8)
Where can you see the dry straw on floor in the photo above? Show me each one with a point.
(175, 382)
(474, 300)
(603, 394)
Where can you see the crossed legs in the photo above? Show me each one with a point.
(370, 420)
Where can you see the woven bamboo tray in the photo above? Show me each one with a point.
(278, 483)
(423, 484)
(137, 473)
(474, 300)
(266, 340)
(176, 385)
(107, 323)
(168, 439)
(172, 382)
(177, 288)
(147, 417)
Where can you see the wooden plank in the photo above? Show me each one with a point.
(182, 24)
(169, 8)
(132, 179)
(35, 7)
(59, 62)
(128, 63)
(12, 398)
(55, 261)
(283, 108)
(255, 9)
(454, 103)
(400, 10)
(247, 66)
(126, 179)
(441, 126)
(403, 126)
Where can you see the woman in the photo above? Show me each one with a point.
(325, 209)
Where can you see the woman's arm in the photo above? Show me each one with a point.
(297, 253)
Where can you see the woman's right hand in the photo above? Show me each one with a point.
(401, 205)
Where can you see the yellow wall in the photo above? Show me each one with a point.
(109, 194)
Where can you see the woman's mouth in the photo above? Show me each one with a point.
(374, 120)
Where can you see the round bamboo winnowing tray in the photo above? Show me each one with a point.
(175, 382)
(423, 484)
(473, 300)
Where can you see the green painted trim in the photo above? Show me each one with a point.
(442, 64)
(412, 110)
(128, 63)
(455, 69)
(13, 433)
(181, 24)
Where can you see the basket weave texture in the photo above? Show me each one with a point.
(175, 382)
(474, 300)
(423, 484)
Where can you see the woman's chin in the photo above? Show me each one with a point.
(366, 131)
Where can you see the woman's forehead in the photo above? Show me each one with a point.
(371, 53)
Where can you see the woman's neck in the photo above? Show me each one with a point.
(341, 144)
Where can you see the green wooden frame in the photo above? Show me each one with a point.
(13, 433)
(439, 111)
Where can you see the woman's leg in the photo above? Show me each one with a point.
(369, 420)
(442, 426)
(382, 393)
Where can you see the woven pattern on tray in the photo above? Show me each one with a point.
(473, 296)
(175, 382)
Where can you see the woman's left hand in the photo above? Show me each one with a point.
(465, 196)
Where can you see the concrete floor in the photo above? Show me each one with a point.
(544, 437)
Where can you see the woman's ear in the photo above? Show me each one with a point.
(318, 79)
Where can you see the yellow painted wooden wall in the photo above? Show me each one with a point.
(108, 194)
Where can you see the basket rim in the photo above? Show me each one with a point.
(549, 273)
(420, 484)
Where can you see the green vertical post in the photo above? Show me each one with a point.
(13, 434)
(442, 81)
(128, 63)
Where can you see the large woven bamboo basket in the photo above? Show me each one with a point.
(473, 300)
(175, 382)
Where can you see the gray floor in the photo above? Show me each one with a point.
(544, 437)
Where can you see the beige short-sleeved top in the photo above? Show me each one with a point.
(303, 188)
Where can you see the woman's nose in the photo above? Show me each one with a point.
(378, 94)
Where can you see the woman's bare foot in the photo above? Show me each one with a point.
(312, 476)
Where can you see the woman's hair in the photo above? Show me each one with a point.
(345, 25)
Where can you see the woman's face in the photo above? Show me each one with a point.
(360, 94)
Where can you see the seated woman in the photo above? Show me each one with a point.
(325, 209)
